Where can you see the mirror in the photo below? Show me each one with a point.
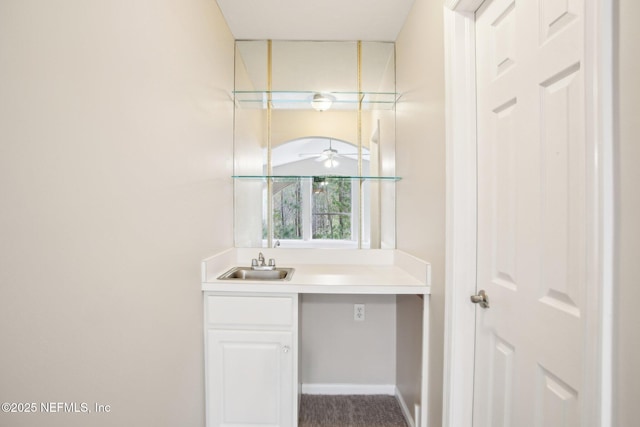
(314, 144)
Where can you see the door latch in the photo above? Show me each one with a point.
(482, 298)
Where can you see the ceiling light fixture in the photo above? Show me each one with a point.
(331, 162)
(321, 101)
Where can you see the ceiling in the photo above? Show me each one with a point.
(371, 20)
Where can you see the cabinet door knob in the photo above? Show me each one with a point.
(285, 349)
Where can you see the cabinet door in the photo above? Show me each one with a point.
(249, 378)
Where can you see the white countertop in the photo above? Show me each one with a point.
(392, 272)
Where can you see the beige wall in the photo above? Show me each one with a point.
(115, 156)
(335, 349)
(627, 350)
(420, 162)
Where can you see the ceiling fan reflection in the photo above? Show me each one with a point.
(330, 156)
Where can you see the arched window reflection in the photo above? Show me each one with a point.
(320, 211)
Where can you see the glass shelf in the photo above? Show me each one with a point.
(301, 100)
(316, 177)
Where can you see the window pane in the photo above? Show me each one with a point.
(287, 210)
(332, 209)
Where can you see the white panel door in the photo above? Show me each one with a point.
(249, 378)
(531, 213)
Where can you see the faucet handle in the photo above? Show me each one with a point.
(272, 262)
(254, 262)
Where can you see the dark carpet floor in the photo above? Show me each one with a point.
(350, 411)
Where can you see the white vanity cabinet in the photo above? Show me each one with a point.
(251, 359)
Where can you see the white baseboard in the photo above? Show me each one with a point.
(405, 410)
(336, 389)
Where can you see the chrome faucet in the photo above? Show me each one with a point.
(260, 264)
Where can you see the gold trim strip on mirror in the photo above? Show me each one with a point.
(269, 165)
(359, 120)
(359, 136)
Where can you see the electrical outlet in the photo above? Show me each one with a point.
(358, 312)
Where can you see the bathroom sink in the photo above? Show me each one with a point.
(247, 273)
